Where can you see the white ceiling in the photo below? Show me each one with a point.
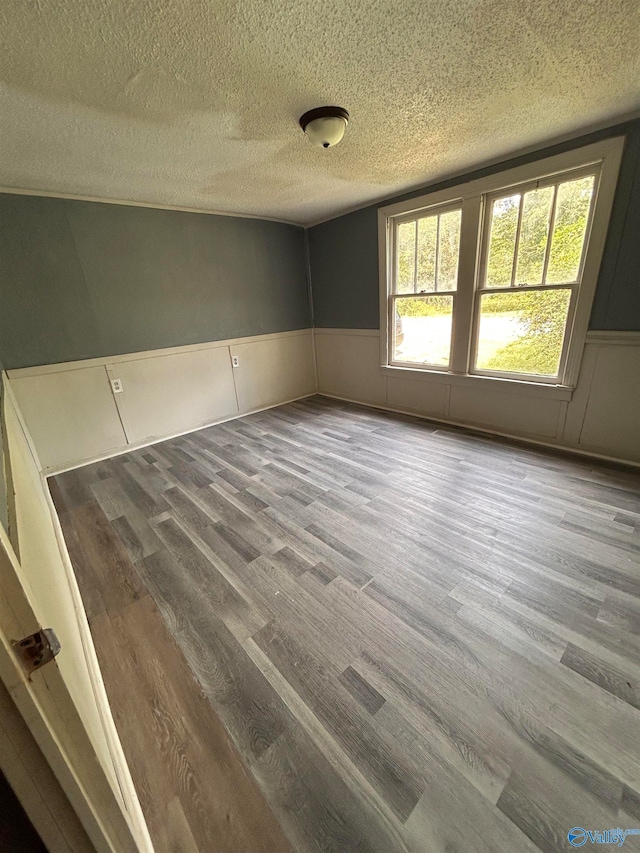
(195, 103)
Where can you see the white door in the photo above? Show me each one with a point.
(64, 703)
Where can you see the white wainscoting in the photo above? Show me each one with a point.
(612, 413)
(70, 414)
(601, 417)
(171, 393)
(505, 411)
(349, 365)
(74, 417)
(414, 395)
(273, 370)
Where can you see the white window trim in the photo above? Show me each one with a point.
(606, 154)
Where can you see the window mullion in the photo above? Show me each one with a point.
(415, 258)
(514, 265)
(463, 302)
(437, 264)
(547, 250)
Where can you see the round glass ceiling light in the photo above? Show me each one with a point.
(325, 126)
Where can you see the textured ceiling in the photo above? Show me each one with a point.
(195, 102)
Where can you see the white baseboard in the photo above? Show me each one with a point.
(576, 451)
(600, 417)
(120, 451)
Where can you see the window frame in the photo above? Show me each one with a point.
(436, 210)
(475, 197)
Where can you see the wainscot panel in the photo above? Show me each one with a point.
(418, 395)
(172, 393)
(600, 417)
(505, 411)
(70, 414)
(612, 416)
(349, 365)
(273, 370)
(74, 416)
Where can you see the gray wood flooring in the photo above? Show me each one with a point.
(416, 638)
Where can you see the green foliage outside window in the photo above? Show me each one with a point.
(434, 306)
(541, 314)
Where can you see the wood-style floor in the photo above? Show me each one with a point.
(417, 638)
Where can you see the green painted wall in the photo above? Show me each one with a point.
(344, 251)
(617, 302)
(82, 279)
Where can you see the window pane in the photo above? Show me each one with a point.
(427, 236)
(502, 245)
(406, 254)
(534, 233)
(422, 332)
(449, 249)
(569, 227)
(522, 332)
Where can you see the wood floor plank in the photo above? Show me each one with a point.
(361, 690)
(614, 681)
(298, 773)
(367, 747)
(412, 637)
(105, 554)
(544, 803)
(253, 714)
(357, 798)
(83, 569)
(183, 566)
(453, 816)
(630, 804)
(169, 732)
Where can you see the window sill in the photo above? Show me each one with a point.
(489, 383)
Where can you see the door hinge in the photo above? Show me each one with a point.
(37, 649)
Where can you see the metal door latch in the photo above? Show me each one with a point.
(37, 649)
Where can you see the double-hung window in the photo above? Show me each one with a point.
(427, 248)
(495, 278)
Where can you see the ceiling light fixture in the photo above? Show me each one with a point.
(325, 126)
